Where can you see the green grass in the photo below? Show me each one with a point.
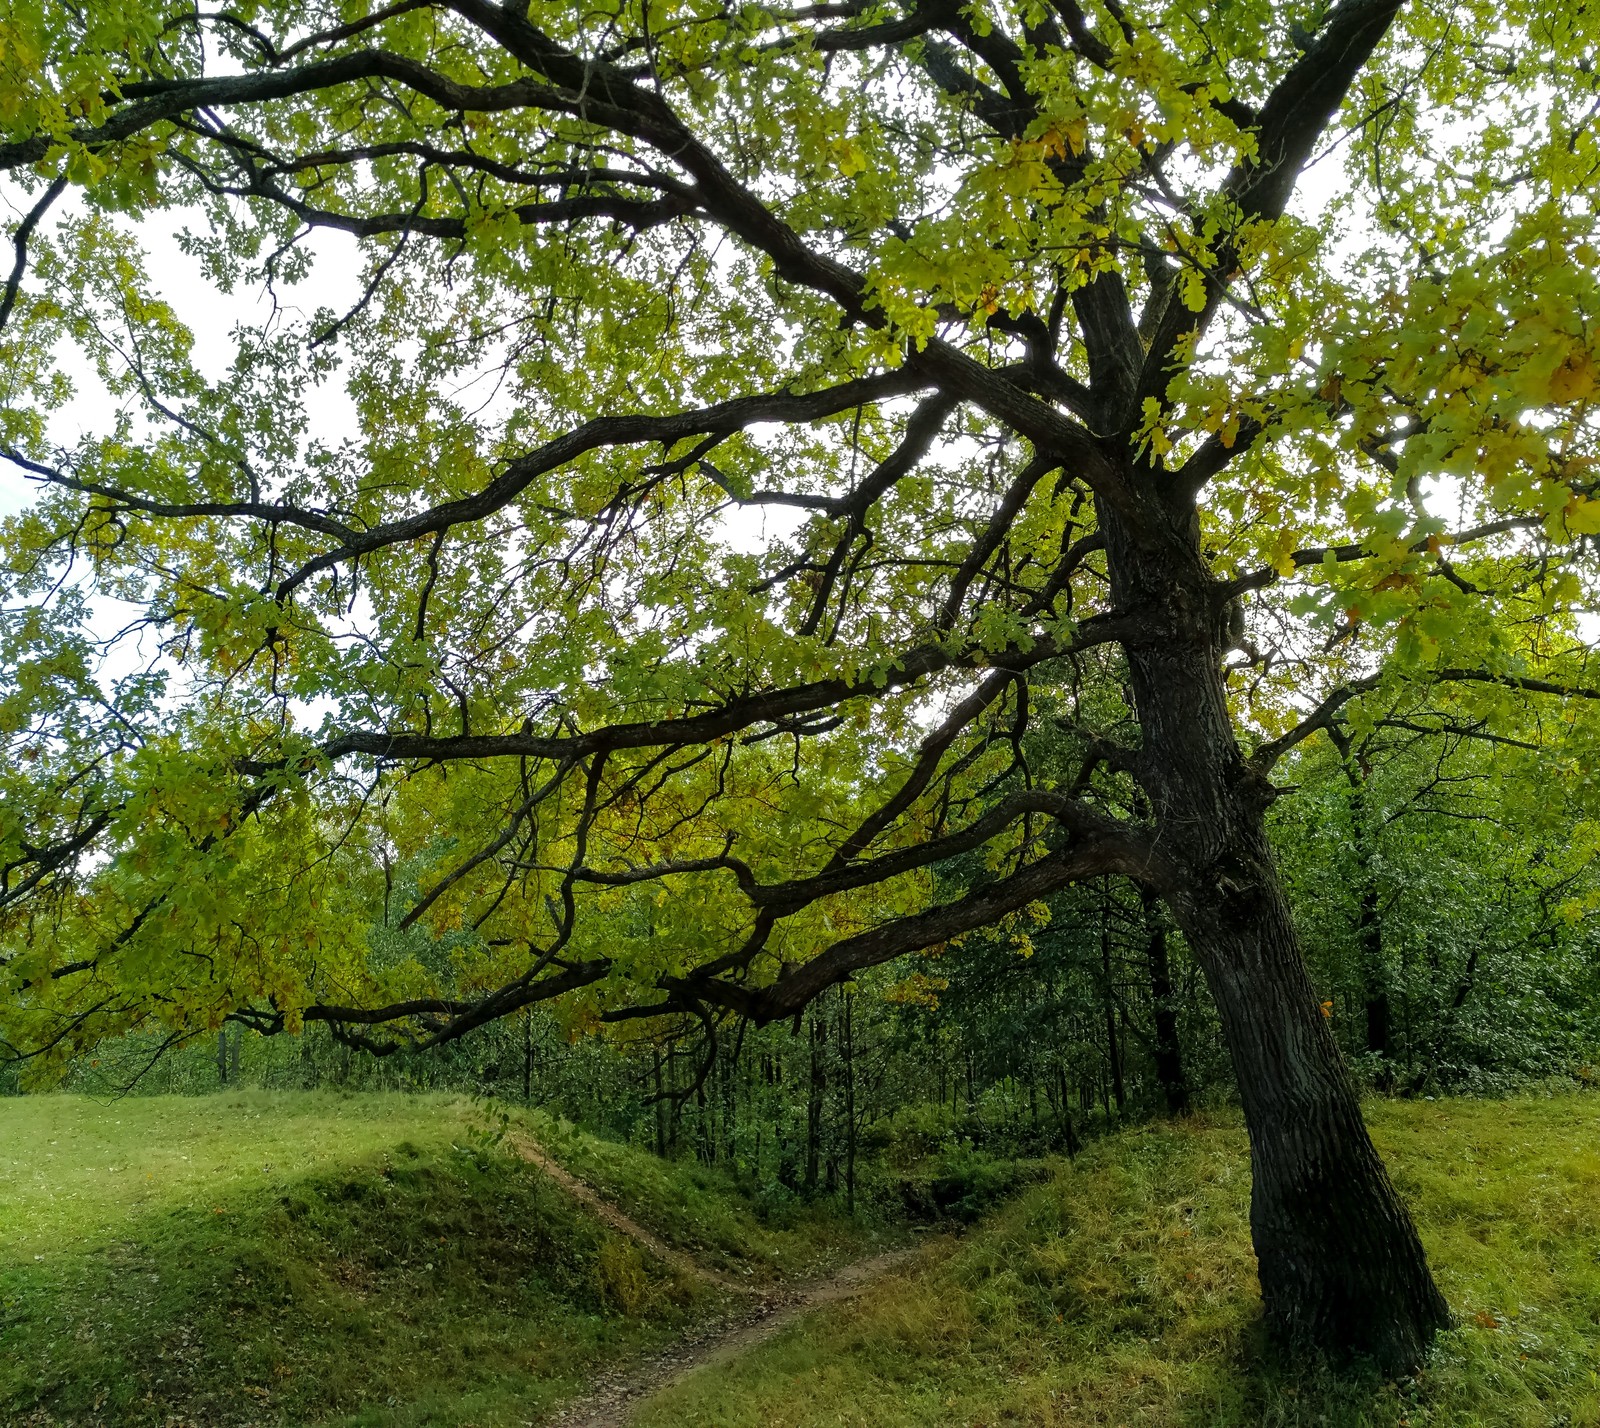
(316, 1259)
(698, 1209)
(1122, 1292)
(277, 1259)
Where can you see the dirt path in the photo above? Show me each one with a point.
(605, 1211)
(619, 1394)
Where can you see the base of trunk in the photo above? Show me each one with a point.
(1342, 1269)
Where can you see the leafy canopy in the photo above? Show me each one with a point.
(729, 402)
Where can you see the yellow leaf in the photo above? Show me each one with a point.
(1575, 380)
(1582, 516)
(848, 156)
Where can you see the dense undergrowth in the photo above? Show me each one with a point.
(315, 1258)
(1122, 1292)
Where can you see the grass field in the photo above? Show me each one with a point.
(317, 1259)
(322, 1259)
(1122, 1293)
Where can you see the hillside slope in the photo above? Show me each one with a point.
(1123, 1293)
(271, 1259)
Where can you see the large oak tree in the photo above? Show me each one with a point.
(745, 419)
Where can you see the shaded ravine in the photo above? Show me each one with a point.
(618, 1395)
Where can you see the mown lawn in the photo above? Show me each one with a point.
(1122, 1293)
(276, 1259)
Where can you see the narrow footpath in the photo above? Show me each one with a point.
(609, 1214)
(620, 1392)
(618, 1395)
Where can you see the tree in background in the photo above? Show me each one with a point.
(1445, 883)
(745, 412)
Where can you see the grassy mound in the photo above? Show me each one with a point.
(1122, 1292)
(315, 1259)
(696, 1209)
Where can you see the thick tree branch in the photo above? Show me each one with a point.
(19, 241)
(1125, 851)
(1288, 126)
(732, 717)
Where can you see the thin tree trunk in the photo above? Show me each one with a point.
(783, 1142)
(1113, 1045)
(1164, 1008)
(814, 1102)
(675, 1114)
(660, 1103)
(1369, 932)
(527, 1061)
(1069, 1134)
(848, 1047)
(1369, 920)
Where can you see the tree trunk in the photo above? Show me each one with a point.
(527, 1065)
(675, 1101)
(1341, 1266)
(658, 1101)
(814, 1101)
(1069, 1133)
(1340, 1263)
(1164, 1007)
(1374, 976)
(730, 1109)
(783, 1142)
(705, 1146)
(1369, 922)
(847, 1045)
(1113, 1044)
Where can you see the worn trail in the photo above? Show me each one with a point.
(620, 1395)
(767, 1310)
(609, 1214)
